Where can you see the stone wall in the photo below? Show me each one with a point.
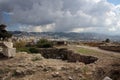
(66, 54)
(111, 48)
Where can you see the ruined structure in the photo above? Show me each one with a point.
(6, 49)
(66, 54)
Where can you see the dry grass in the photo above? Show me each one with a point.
(87, 51)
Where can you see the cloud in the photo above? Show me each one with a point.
(66, 15)
(44, 28)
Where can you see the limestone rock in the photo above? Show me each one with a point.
(107, 78)
(56, 74)
(7, 49)
(70, 78)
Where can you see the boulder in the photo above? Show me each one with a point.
(107, 78)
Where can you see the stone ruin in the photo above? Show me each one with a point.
(66, 54)
(6, 49)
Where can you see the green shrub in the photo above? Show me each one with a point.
(44, 43)
(33, 50)
(4, 34)
(107, 40)
(20, 44)
(23, 49)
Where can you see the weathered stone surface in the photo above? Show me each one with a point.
(70, 78)
(23, 72)
(9, 52)
(8, 44)
(107, 78)
(7, 49)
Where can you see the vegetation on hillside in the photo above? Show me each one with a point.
(107, 40)
(44, 43)
(4, 34)
(23, 46)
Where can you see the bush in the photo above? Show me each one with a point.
(107, 40)
(4, 34)
(44, 43)
(19, 44)
(23, 49)
(33, 50)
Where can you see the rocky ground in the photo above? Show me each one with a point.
(34, 67)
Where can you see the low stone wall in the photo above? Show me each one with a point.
(111, 48)
(66, 54)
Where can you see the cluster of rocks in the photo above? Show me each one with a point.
(66, 54)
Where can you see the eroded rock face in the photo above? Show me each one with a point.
(115, 48)
(115, 71)
(112, 71)
(66, 54)
(73, 57)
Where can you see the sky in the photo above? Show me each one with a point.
(100, 16)
(115, 2)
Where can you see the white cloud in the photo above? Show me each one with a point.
(45, 28)
(78, 30)
(112, 29)
(63, 15)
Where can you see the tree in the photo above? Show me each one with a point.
(4, 34)
(20, 44)
(107, 40)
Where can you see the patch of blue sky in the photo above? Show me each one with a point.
(6, 17)
(115, 2)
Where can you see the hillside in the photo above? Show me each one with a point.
(70, 36)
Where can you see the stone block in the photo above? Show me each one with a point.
(8, 44)
(9, 52)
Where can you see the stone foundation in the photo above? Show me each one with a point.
(66, 54)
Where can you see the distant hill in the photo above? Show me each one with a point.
(69, 36)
